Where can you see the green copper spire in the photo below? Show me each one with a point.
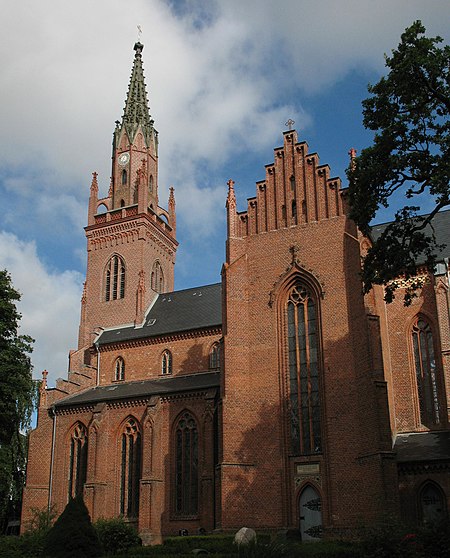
(136, 112)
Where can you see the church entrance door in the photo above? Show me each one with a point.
(310, 512)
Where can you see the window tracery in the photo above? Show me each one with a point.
(214, 357)
(157, 278)
(77, 460)
(303, 364)
(186, 466)
(166, 363)
(115, 279)
(426, 372)
(119, 370)
(130, 469)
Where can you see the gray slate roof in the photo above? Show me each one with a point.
(422, 446)
(175, 312)
(145, 388)
(441, 224)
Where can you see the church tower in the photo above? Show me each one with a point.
(131, 241)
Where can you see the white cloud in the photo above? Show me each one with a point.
(50, 304)
(220, 76)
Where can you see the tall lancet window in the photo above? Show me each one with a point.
(303, 361)
(77, 460)
(157, 278)
(130, 469)
(186, 466)
(115, 278)
(426, 373)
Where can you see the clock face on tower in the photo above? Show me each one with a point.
(124, 158)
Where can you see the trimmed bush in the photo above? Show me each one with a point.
(116, 535)
(73, 535)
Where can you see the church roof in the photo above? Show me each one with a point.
(422, 446)
(144, 388)
(441, 225)
(175, 312)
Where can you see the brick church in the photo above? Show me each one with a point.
(278, 398)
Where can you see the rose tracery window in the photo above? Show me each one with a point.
(426, 373)
(186, 466)
(303, 361)
(115, 278)
(130, 469)
(77, 460)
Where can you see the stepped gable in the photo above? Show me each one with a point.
(144, 388)
(297, 189)
(175, 312)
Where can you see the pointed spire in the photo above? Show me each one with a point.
(94, 184)
(93, 199)
(172, 213)
(43, 390)
(171, 198)
(136, 112)
(231, 198)
(352, 152)
(231, 210)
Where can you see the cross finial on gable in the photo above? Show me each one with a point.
(294, 249)
(290, 123)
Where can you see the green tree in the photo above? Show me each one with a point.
(73, 535)
(410, 157)
(18, 396)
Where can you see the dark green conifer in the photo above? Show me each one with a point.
(73, 535)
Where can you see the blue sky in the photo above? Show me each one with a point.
(222, 77)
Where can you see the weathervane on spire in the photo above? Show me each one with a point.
(139, 28)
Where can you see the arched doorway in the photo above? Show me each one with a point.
(432, 504)
(310, 514)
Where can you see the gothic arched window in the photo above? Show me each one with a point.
(303, 361)
(77, 460)
(150, 184)
(432, 506)
(119, 370)
(426, 372)
(214, 357)
(157, 278)
(186, 466)
(294, 212)
(166, 363)
(115, 278)
(130, 469)
(124, 177)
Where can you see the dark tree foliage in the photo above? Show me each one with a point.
(18, 396)
(409, 111)
(73, 535)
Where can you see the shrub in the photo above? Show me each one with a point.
(388, 538)
(72, 535)
(116, 535)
